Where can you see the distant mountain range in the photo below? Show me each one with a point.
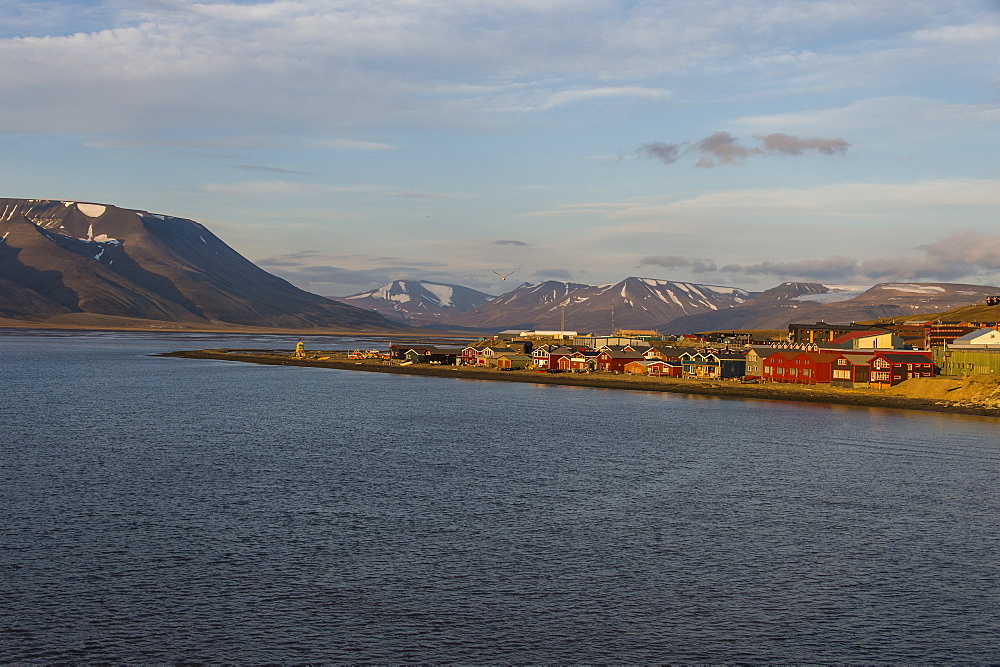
(65, 262)
(883, 300)
(636, 303)
(666, 306)
(633, 303)
(418, 302)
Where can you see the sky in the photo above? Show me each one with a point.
(342, 144)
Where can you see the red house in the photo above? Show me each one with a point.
(540, 356)
(655, 367)
(614, 362)
(891, 368)
(470, 355)
(797, 367)
(576, 362)
(852, 370)
(555, 354)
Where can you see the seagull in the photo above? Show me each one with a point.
(502, 277)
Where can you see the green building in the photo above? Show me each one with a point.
(959, 362)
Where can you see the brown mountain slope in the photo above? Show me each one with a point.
(977, 313)
(69, 257)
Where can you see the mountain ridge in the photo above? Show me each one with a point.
(632, 303)
(418, 302)
(893, 299)
(74, 261)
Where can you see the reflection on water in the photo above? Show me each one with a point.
(165, 510)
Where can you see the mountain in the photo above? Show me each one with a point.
(418, 302)
(64, 262)
(788, 292)
(883, 300)
(633, 303)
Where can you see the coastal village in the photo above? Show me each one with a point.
(911, 364)
(838, 355)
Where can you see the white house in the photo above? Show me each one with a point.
(981, 339)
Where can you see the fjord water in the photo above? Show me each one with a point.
(168, 510)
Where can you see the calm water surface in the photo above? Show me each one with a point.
(164, 510)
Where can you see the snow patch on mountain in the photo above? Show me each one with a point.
(914, 289)
(443, 293)
(92, 210)
(836, 294)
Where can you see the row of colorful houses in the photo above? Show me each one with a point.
(854, 358)
(850, 368)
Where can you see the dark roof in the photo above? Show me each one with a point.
(621, 354)
(903, 358)
(843, 338)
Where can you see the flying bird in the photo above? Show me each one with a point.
(502, 277)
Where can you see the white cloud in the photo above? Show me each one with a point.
(861, 201)
(358, 145)
(332, 65)
(873, 113)
(423, 195)
(986, 32)
(580, 94)
(281, 189)
(259, 189)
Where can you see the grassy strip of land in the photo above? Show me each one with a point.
(721, 388)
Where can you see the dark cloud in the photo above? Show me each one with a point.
(955, 258)
(667, 153)
(675, 262)
(916, 268)
(723, 148)
(962, 256)
(830, 268)
(791, 145)
(982, 252)
(510, 242)
(668, 262)
(289, 259)
(558, 274)
(305, 270)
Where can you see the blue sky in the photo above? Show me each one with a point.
(345, 143)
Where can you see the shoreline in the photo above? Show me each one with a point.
(718, 388)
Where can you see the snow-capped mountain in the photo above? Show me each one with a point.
(418, 301)
(633, 303)
(812, 305)
(67, 262)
